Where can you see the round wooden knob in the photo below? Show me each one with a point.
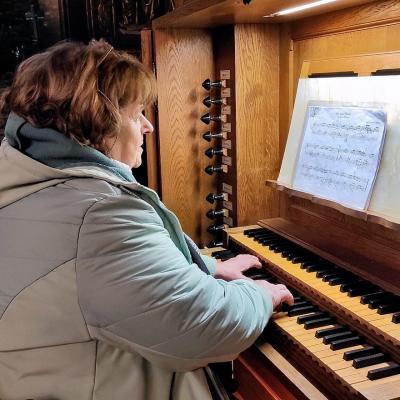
(211, 197)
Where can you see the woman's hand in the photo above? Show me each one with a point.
(234, 267)
(279, 293)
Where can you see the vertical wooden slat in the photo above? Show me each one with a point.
(184, 59)
(257, 120)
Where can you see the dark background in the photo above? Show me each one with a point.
(29, 26)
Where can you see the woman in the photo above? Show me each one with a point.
(100, 296)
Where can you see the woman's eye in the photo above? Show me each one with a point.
(135, 118)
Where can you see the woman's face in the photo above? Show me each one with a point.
(127, 146)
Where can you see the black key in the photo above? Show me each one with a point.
(251, 232)
(388, 308)
(337, 336)
(396, 318)
(268, 241)
(375, 303)
(254, 272)
(285, 307)
(289, 253)
(264, 277)
(359, 291)
(305, 264)
(384, 372)
(348, 342)
(345, 287)
(257, 277)
(365, 299)
(338, 280)
(301, 310)
(322, 273)
(329, 275)
(308, 317)
(300, 258)
(312, 264)
(300, 303)
(297, 298)
(316, 267)
(262, 236)
(220, 252)
(281, 247)
(330, 331)
(366, 361)
(276, 245)
(317, 323)
(366, 351)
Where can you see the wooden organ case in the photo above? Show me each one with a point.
(358, 354)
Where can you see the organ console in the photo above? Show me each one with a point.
(341, 339)
(343, 332)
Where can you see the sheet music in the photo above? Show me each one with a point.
(340, 153)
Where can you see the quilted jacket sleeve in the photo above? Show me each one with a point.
(138, 292)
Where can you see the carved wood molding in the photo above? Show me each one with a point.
(379, 13)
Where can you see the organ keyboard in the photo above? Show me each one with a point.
(343, 331)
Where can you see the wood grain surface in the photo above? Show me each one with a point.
(257, 119)
(184, 59)
(211, 13)
(378, 13)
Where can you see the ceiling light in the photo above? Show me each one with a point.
(299, 8)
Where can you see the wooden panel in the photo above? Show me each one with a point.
(184, 60)
(363, 65)
(264, 374)
(365, 16)
(372, 40)
(257, 120)
(211, 13)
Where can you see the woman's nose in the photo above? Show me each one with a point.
(147, 126)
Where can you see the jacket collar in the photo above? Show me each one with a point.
(57, 150)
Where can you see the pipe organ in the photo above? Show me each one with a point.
(341, 339)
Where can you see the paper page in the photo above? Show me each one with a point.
(340, 153)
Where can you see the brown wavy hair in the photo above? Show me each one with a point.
(78, 90)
